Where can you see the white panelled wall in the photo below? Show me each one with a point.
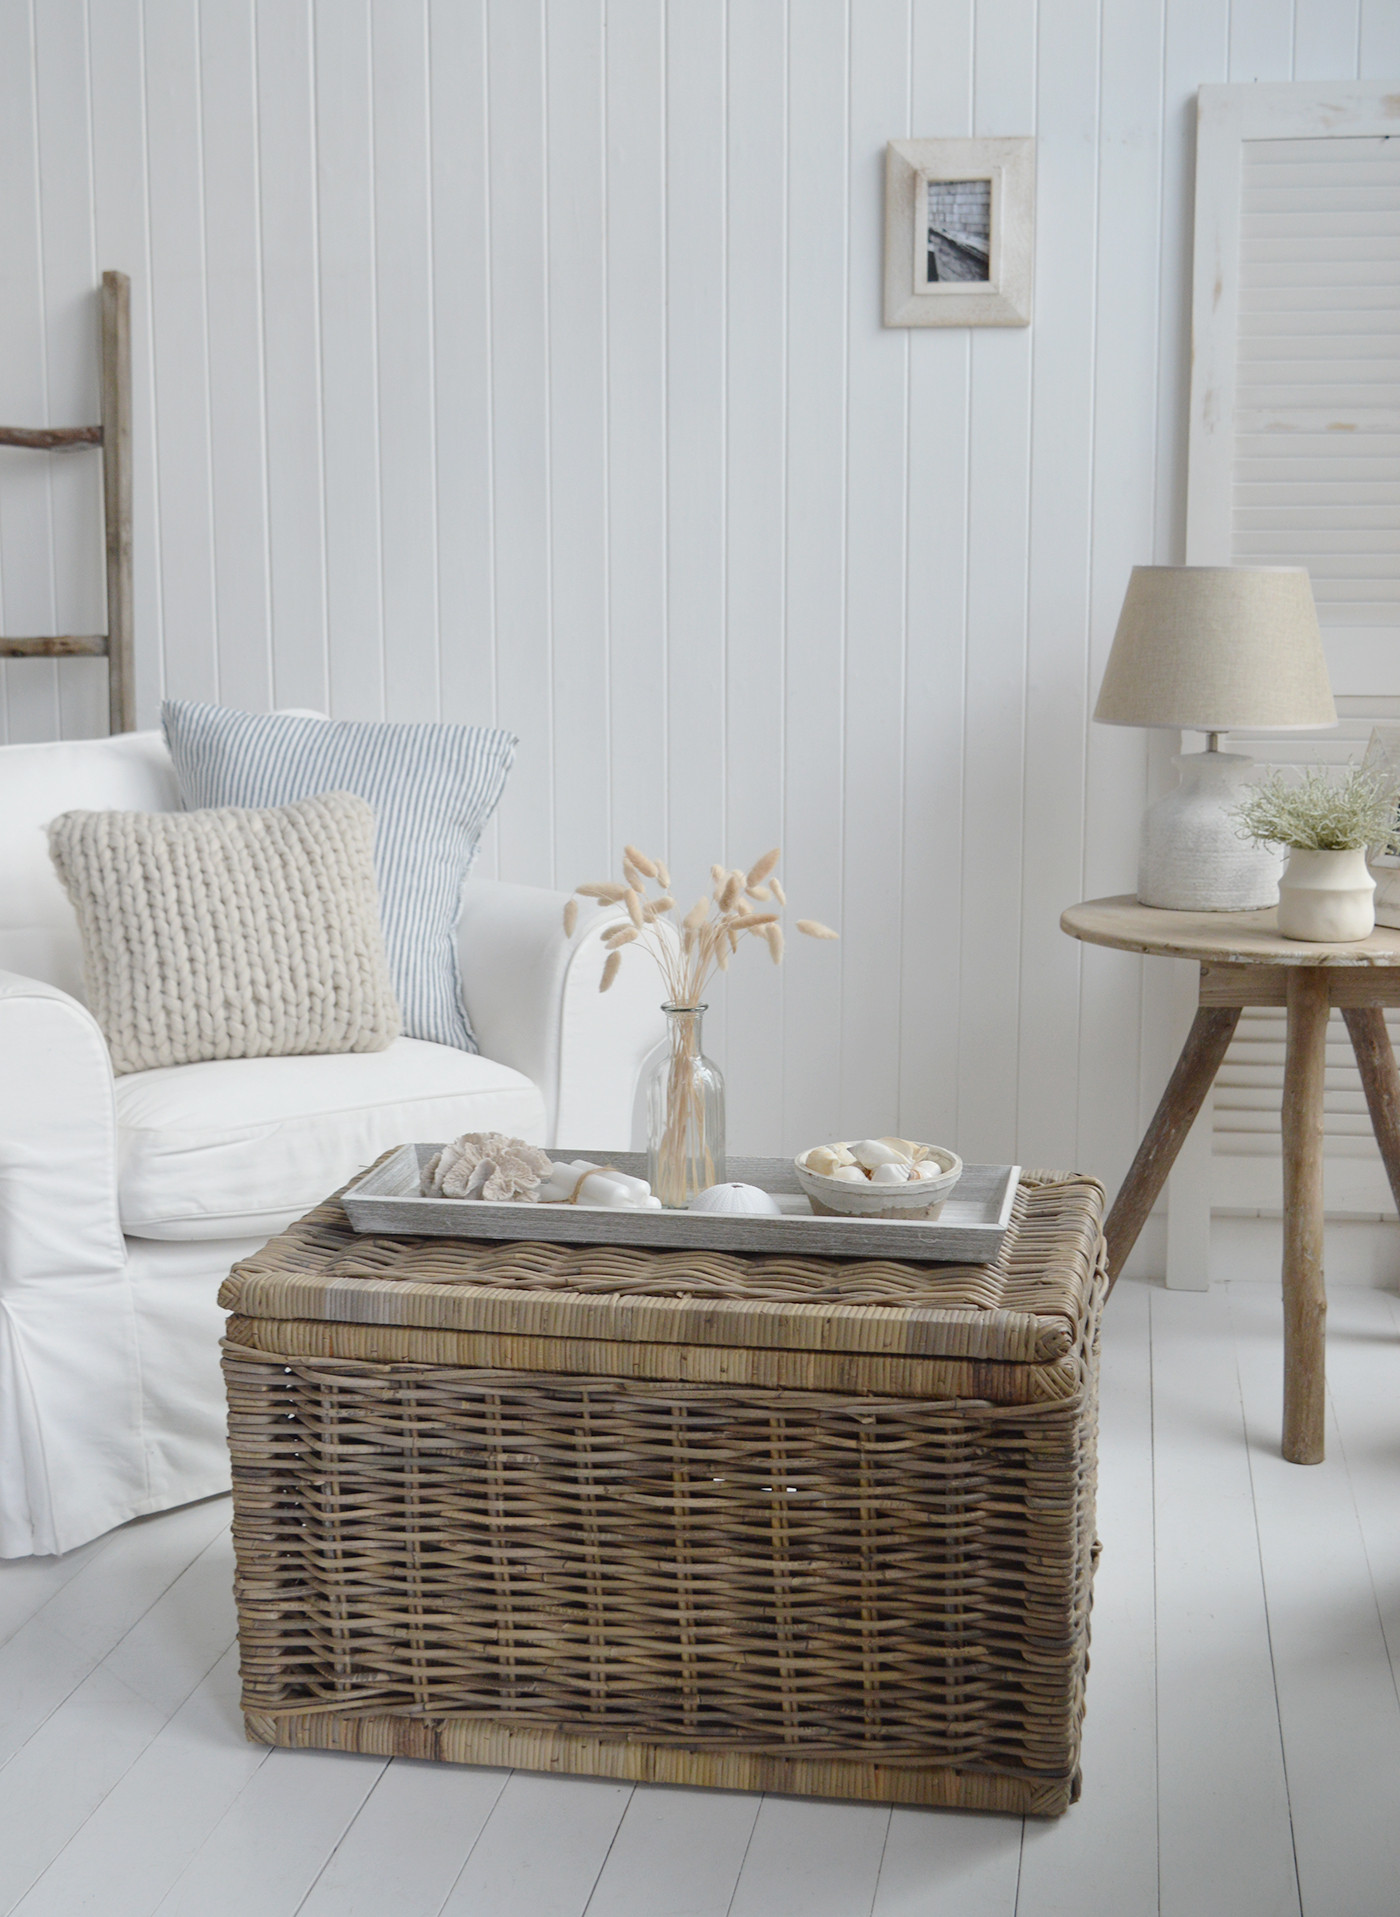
(522, 362)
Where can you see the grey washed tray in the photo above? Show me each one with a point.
(969, 1230)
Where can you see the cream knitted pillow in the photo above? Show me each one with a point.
(231, 933)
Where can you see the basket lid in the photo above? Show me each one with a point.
(1027, 1306)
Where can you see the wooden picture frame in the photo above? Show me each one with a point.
(959, 232)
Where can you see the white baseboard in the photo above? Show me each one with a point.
(1148, 1257)
(1358, 1251)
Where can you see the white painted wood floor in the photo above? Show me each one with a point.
(1241, 1755)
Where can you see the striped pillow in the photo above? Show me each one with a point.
(432, 789)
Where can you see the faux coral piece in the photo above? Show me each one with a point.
(487, 1165)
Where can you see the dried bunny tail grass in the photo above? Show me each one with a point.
(774, 935)
(697, 915)
(641, 861)
(609, 893)
(570, 917)
(633, 877)
(759, 872)
(654, 908)
(760, 892)
(632, 900)
(778, 892)
(758, 920)
(663, 877)
(816, 930)
(619, 936)
(610, 971)
(733, 891)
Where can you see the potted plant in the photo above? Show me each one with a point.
(1326, 894)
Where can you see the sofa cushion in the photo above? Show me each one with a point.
(432, 787)
(129, 773)
(232, 933)
(239, 1145)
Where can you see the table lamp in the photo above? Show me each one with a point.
(1212, 649)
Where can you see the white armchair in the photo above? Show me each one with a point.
(124, 1201)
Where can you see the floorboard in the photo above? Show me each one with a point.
(1242, 1698)
(1225, 1842)
(962, 1864)
(80, 1753)
(51, 1654)
(1336, 1691)
(85, 1747)
(677, 1853)
(542, 1848)
(812, 1859)
(407, 1846)
(1363, 1358)
(145, 1832)
(27, 1584)
(1102, 1856)
(271, 1844)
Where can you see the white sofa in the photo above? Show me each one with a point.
(124, 1201)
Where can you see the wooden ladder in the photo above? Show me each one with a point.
(114, 437)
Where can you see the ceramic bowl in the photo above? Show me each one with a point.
(925, 1199)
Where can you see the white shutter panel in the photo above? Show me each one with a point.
(1295, 460)
(1317, 387)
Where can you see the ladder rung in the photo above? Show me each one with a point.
(64, 645)
(50, 439)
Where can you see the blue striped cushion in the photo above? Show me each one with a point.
(432, 788)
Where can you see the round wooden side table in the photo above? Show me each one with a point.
(1244, 961)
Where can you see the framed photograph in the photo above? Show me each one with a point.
(959, 232)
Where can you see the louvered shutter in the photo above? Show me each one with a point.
(1295, 460)
(1317, 387)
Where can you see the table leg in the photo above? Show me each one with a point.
(1211, 1031)
(1381, 1082)
(1304, 1296)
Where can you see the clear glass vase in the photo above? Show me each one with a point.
(685, 1113)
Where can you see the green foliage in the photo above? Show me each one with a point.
(1321, 814)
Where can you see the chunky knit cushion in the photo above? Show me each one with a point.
(432, 788)
(230, 933)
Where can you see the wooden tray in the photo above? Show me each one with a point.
(970, 1229)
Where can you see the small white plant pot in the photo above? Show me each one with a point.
(1327, 898)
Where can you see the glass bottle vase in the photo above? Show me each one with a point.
(685, 1113)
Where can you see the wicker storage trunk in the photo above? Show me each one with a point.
(762, 1523)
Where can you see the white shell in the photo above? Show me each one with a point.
(852, 1174)
(891, 1174)
(736, 1198)
(871, 1152)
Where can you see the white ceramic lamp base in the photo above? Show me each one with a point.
(1193, 858)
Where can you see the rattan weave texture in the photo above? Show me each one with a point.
(1023, 1308)
(855, 1591)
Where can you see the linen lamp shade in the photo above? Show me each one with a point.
(1217, 648)
(1213, 649)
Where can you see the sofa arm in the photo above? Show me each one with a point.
(532, 997)
(68, 1372)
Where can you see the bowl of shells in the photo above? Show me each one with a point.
(878, 1178)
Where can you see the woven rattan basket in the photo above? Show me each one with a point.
(762, 1523)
